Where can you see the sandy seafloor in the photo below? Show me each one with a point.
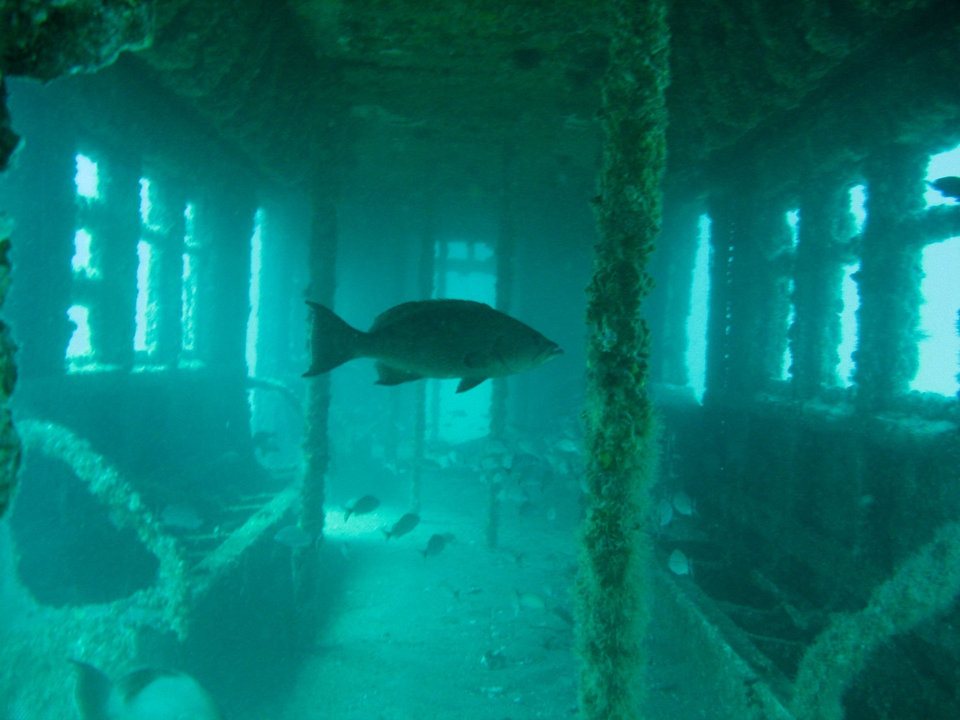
(414, 638)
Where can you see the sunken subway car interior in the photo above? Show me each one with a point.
(734, 494)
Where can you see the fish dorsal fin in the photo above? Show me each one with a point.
(92, 691)
(133, 683)
(469, 382)
(388, 375)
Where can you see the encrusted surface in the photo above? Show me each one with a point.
(289, 83)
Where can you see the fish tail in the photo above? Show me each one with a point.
(333, 340)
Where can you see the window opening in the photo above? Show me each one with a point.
(87, 178)
(79, 350)
(82, 260)
(850, 294)
(945, 164)
(466, 270)
(253, 320)
(147, 312)
(939, 344)
(793, 223)
(699, 310)
(146, 207)
(79, 353)
(189, 285)
(145, 332)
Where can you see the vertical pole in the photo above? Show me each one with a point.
(749, 288)
(8, 139)
(167, 213)
(43, 207)
(116, 229)
(9, 440)
(316, 443)
(224, 224)
(889, 278)
(322, 259)
(613, 592)
(826, 225)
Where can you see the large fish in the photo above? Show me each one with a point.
(432, 339)
(146, 694)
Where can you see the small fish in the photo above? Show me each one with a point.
(528, 601)
(948, 186)
(527, 508)
(683, 503)
(402, 526)
(431, 339)
(293, 536)
(360, 506)
(181, 516)
(146, 694)
(679, 563)
(436, 544)
(665, 512)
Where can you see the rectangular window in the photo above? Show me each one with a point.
(849, 326)
(189, 286)
(145, 332)
(79, 352)
(939, 345)
(146, 328)
(253, 321)
(850, 294)
(468, 273)
(82, 261)
(793, 223)
(942, 165)
(87, 178)
(699, 311)
(259, 411)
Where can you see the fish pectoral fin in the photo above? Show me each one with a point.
(92, 692)
(388, 375)
(469, 382)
